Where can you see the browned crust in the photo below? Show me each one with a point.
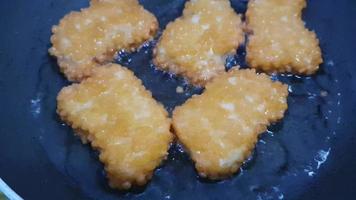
(213, 173)
(88, 136)
(175, 68)
(77, 72)
(288, 66)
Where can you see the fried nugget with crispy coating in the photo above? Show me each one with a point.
(112, 110)
(87, 39)
(279, 41)
(196, 44)
(220, 127)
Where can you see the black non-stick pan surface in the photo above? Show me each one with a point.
(311, 154)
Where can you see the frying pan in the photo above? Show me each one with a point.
(308, 155)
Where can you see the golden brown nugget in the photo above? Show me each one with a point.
(112, 110)
(87, 39)
(196, 44)
(220, 127)
(279, 41)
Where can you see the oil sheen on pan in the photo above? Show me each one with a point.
(288, 155)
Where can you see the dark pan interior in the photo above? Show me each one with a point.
(309, 155)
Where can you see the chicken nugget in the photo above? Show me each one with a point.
(220, 127)
(196, 44)
(87, 39)
(112, 110)
(279, 41)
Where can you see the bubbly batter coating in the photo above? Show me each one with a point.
(87, 39)
(196, 44)
(112, 110)
(220, 127)
(279, 41)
